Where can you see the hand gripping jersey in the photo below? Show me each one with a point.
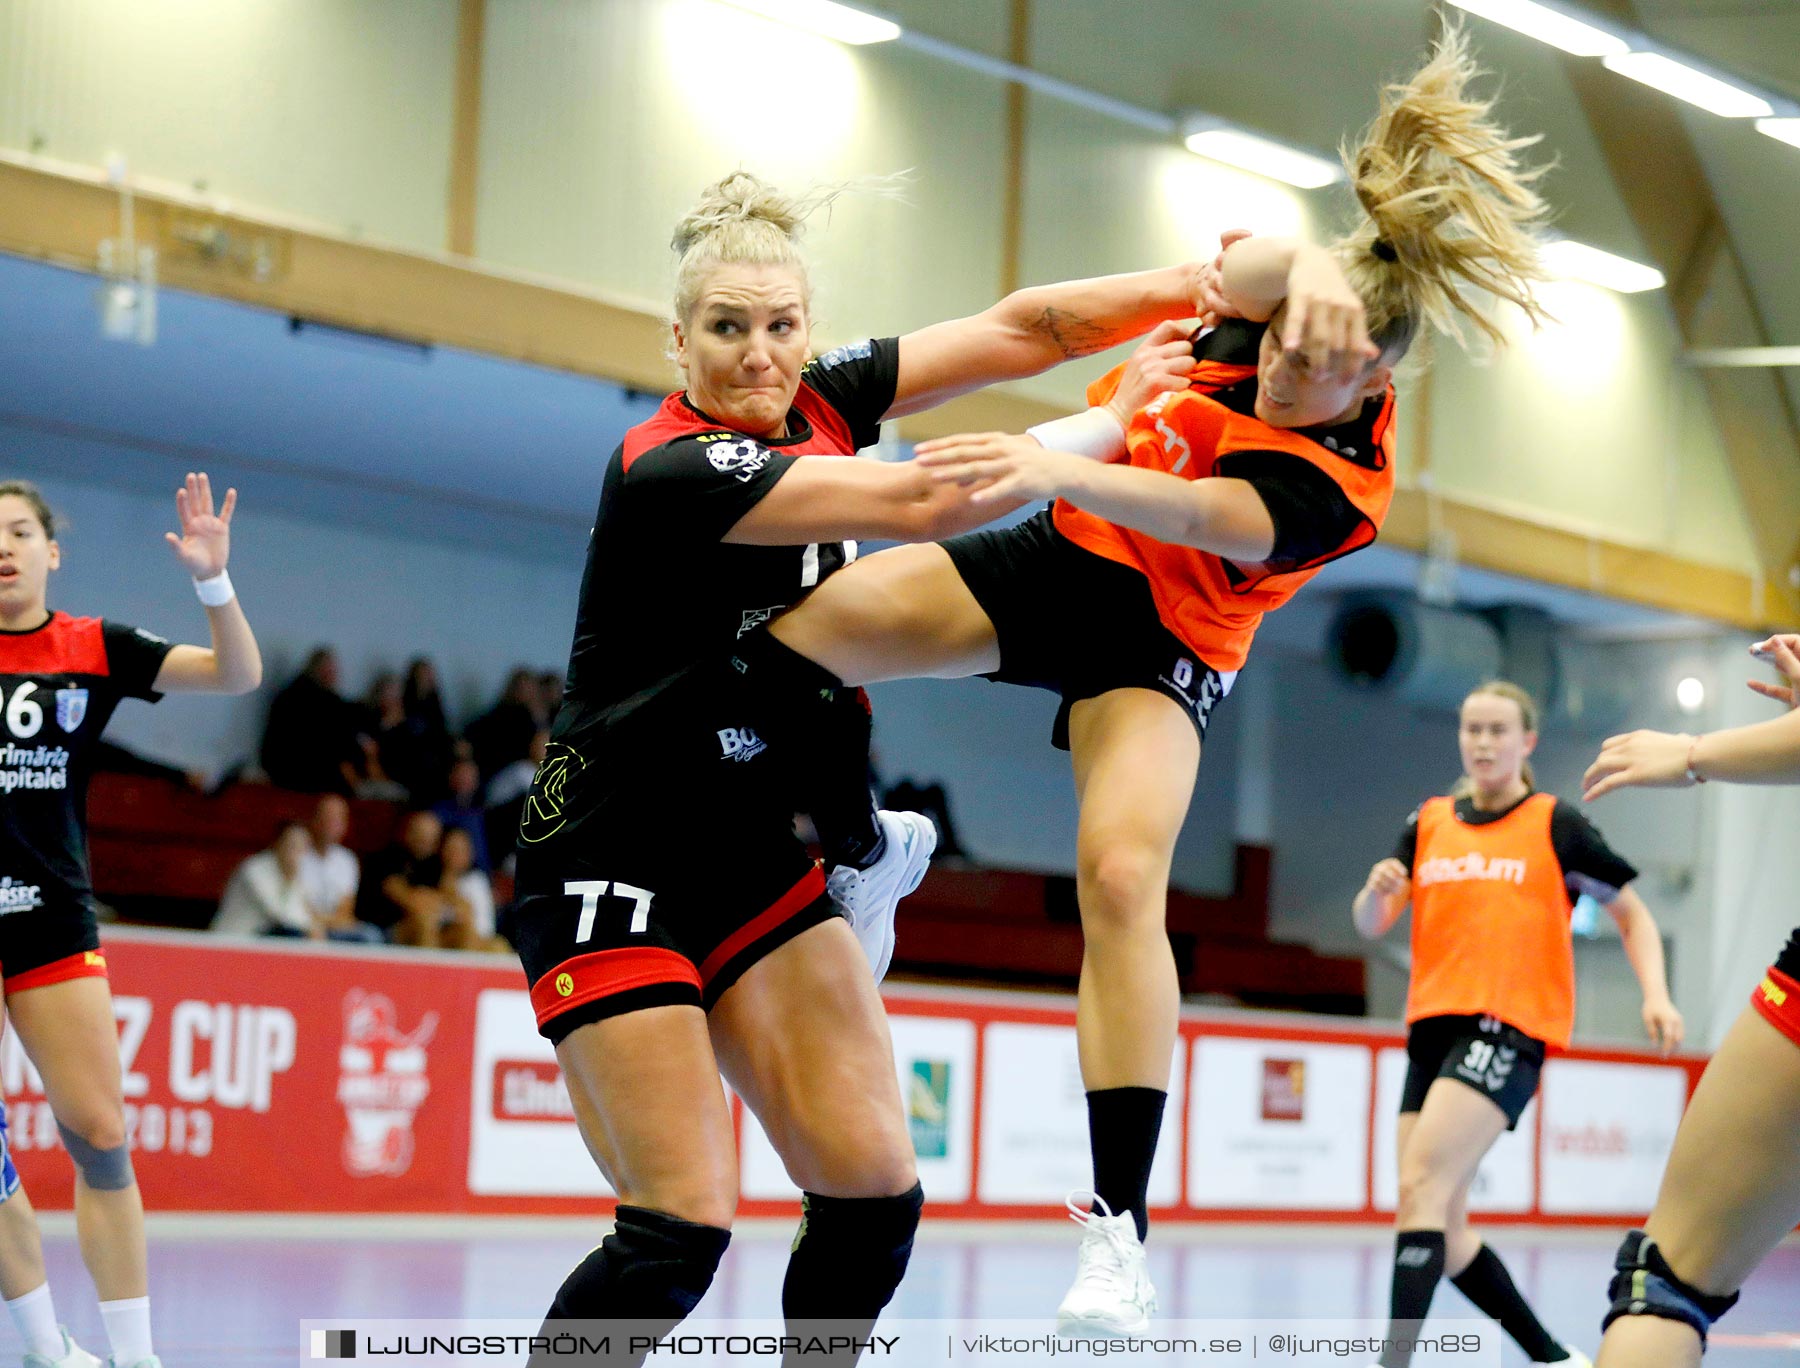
(1491, 896)
(59, 684)
(1212, 604)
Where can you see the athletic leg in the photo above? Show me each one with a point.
(803, 1038)
(1442, 1147)
(1730, 1194)
(645, 1088)
(68, 1030)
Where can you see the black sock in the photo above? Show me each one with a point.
(819, 730)
(1123, 1124)
(1418, 1267)
(1487, 1283)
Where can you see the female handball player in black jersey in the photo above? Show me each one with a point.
(62, 677)
(1137, 597)
(1731, 1192)
(670, 924)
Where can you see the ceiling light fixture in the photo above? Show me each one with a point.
(825, 18)
(1685, 83)
(1263, 156)
(1568, 260)
(1548, 26)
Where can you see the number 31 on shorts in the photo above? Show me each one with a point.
(591, 891)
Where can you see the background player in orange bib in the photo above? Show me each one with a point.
(1731, 1192)
(1492, 872)
(62, 677)
(1137, 596)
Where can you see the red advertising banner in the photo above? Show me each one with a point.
(289, 1077)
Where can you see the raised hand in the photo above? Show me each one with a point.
(205, 541)
(1389, 877)
(1663, 1024)
(1639, 759)
(1325, 321)
(1783, 652)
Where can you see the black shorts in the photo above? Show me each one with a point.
(1078, 624)
(48, 944)
(1500, 1062)
(656, 871)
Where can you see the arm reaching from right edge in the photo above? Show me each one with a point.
(1382, 899)
(1760, 753)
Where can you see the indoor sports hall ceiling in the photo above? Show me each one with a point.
(431, 444)
(1303, 71)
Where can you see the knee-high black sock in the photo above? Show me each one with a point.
(1418, 1267)
(1123, 1124)
(652, 1270)
(1487, 1283)
(848, 1258)
(819, 729)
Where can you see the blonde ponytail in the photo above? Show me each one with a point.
(1449, 204)
(1528, 717)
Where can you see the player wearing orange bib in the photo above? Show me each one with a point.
(1492, 873)
(1731, 1192)
(1175, 529)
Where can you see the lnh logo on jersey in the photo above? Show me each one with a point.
(71, 707)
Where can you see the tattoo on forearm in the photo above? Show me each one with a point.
(1074, 335)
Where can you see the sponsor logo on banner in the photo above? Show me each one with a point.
(530, 1090)
(928, 1107)
(382, 1083)
(1607, 1131)
(1284, 1090)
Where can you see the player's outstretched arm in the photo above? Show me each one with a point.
(1760, 753)
(232, 664)
(1644, 952)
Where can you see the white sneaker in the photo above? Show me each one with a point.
(72, 1356)
(1112, 1294)
(870, 897)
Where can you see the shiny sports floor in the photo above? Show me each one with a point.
(229, 1293)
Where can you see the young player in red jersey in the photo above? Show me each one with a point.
(1731, 1192)
(1137, 596)
(1492, 872)
(670, 924)
(61, 678)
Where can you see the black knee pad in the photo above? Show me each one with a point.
(1645, 1285)
(849, 1255)
(653, 1266)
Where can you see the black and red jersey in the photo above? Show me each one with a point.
(662, 591)
(59, 685)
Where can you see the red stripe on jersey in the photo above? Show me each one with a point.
(63, 645)
(796, 899)
(830, 434)
(1777, 997)
(82, 964)
(604, 973)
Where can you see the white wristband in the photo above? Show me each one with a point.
(1093, 433)
(215, 592)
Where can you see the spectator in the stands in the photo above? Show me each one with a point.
(264, 896)
(428, 733)
(400, 885)
(310, 741)
(503, 733)
(330, 874)
(550, 694)
(468, 922)
(462, 810)
(384, 721)
(505, 799)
